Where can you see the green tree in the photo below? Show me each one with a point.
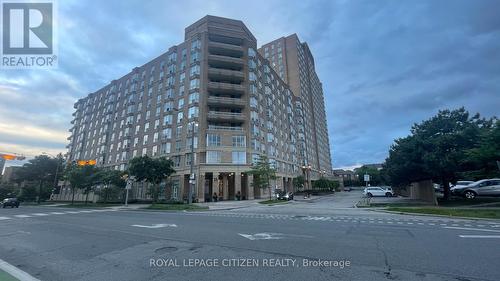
(43, 170)
(482, 161)
(263, 174)
(298, 182)
(113, 184)
(375, 177)
(82, 178)
(436, 149)
(152, 171)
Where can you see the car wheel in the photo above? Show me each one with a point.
(470, 194)
(388, 194)
(369, 195)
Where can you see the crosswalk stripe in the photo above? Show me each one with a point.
(22, 216)
(4, 218)
(40, 214)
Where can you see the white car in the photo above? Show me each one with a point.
(377, 191)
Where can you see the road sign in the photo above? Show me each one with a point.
(367, 177)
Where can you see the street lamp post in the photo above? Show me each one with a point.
(192, 179)
(57, 169)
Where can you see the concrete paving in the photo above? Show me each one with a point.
(324, 240)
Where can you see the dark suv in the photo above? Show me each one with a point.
(12, 202)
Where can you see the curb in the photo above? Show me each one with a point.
(431, 215)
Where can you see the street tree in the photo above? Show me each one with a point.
(82, 178)
(263, 174)
(112, 182)
(43, 170)
(483, 161)
(435, 149)
(152, 171)
(374, 173)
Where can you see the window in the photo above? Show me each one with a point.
(213, 157)
(182, 77)
(252, 64)
(194, 97)
(165, 148)
(193, 112)
(155, 137)
(251, 52)
(167, 120)
(195, 44)
(178, 131)
(189, 141)
(145, 140)
(239, 141)
(195, 57)
(239, 157)
(155, 150)
(178, 145)
(188, 159)
(195, 70)
(181, 104)
(253, 102)
(166, 133)
(194, 84)
(213, 140)
(168, 106)
(180, 116)
(252, 76)
(146, 127)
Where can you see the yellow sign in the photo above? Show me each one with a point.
(86, 162)
(8, 156)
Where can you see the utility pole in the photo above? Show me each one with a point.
(192, 178)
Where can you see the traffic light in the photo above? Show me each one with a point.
(91, 162)
(11, 156)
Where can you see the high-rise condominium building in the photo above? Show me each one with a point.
(212, 104)
(293, 62)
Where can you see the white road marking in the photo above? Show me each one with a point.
(262, 236)
(22, 216)
(86, 211)
(473, 229)
(40, 214)
(71, 212)
(4, 218)
(480, 236)
(16, 272)
(56, 213)
(160, 225)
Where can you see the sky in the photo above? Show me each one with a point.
(384, 65)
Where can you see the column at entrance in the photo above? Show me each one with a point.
(249, 187)
(237, 186)
(200, 187)
(225, 186)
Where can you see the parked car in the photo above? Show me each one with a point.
(377, 191)
(284, 195)
(348, 188)
(461, 183)
(486, 187)
(10, 202)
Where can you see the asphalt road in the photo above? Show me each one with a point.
(251, 243)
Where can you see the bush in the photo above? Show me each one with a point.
(324, 184)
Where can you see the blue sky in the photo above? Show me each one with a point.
(384, 64)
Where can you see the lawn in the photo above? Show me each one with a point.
(176, 207)
(89, 205)
(272, 202)
(4, 276)
(452, 212)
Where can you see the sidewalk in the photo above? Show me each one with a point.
(229, 205)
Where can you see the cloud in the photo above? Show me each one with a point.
(384, 64)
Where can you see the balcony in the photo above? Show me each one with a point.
(218, 48)
(225, 116)
(230, 102)
(225, 75)
(226, 62)
(224, 128)
(226, 87)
